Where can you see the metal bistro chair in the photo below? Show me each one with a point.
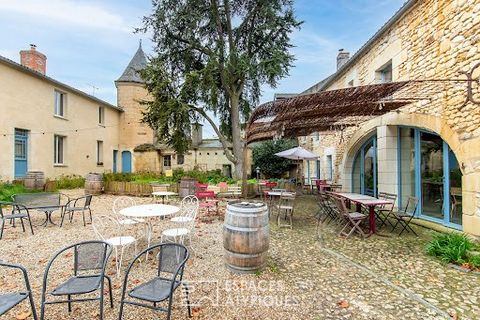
(11, 299)
(81, 204)
(122, 203)
(403, 218)
(89, 264)
(187, 211)
(160, 288)
(17, 211)
(109, 230)
(383, 212)
(185, 228)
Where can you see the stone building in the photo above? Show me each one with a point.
(49, 126)
(429, 149)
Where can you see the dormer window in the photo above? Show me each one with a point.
(384, 74)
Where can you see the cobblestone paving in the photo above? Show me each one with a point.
(306, 278)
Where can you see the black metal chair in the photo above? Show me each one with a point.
(404, 217)
(171, 263)
(11, 299)
(16, 211)
(81, 204)
(89, 264)
(383, 212)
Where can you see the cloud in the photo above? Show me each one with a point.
(9, 54)
(68, 12)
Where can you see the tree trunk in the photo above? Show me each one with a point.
(237, 143)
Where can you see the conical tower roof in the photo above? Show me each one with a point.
(138, 62)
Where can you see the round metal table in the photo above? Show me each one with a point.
(148, 211)
(163, 194)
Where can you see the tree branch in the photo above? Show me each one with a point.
(196, 46)
(231, 45)
(228, 153)
(221, 42)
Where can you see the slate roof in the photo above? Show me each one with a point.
(56, 83)
(138, 62)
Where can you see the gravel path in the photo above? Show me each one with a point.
(306, 278)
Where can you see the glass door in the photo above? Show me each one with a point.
(364, 174)
(432, 177)
(429, 171)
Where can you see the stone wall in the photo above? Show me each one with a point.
(436, 39)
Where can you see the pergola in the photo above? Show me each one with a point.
(335, 109)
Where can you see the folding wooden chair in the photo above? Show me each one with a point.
(352, 219)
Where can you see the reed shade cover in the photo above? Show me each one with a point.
(334, 110)
(246, 236)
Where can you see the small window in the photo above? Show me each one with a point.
(58, 149)
(180, 159)
(329, 167)
(167, 161)
(216, 153)
(59, 103)
(384, 74)
(101, 115)
(317, 136)
(208, 153)
(99, 153)
(351, 83)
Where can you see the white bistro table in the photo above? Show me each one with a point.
(147, 212)
(163, 194)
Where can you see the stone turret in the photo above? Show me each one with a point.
(130, 92)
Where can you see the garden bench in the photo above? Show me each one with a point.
(48, 202)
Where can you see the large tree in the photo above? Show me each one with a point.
(211, 58)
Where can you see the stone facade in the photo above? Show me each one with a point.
(432, 39)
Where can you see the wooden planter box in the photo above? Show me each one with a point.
(128, 188)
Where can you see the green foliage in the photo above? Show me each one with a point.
(474, 261)
(264, 157)
(211, 177)
(217, 57)
(450, 248)
(69, 182)
(7, 190)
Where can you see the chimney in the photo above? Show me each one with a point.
(342, 58)
(33, 59)
(197, 137)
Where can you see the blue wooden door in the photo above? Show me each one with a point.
(114, 165)
(126, 161)
(21, 153)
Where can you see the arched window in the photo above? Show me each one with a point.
(364, 174)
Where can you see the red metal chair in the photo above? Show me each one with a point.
(321, 184)
(207, 200)
(268, 187)
(201, 186)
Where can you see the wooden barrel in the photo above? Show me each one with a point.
(246, 236)
(93, 183)
(187, 187)
(34, 180)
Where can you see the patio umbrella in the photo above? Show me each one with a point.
(298, 153)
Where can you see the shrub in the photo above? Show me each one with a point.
(474, 261)
(450, 248)
(69, 182)
(7, 190)
(264, 157)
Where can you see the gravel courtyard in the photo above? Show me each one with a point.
(308, 276)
